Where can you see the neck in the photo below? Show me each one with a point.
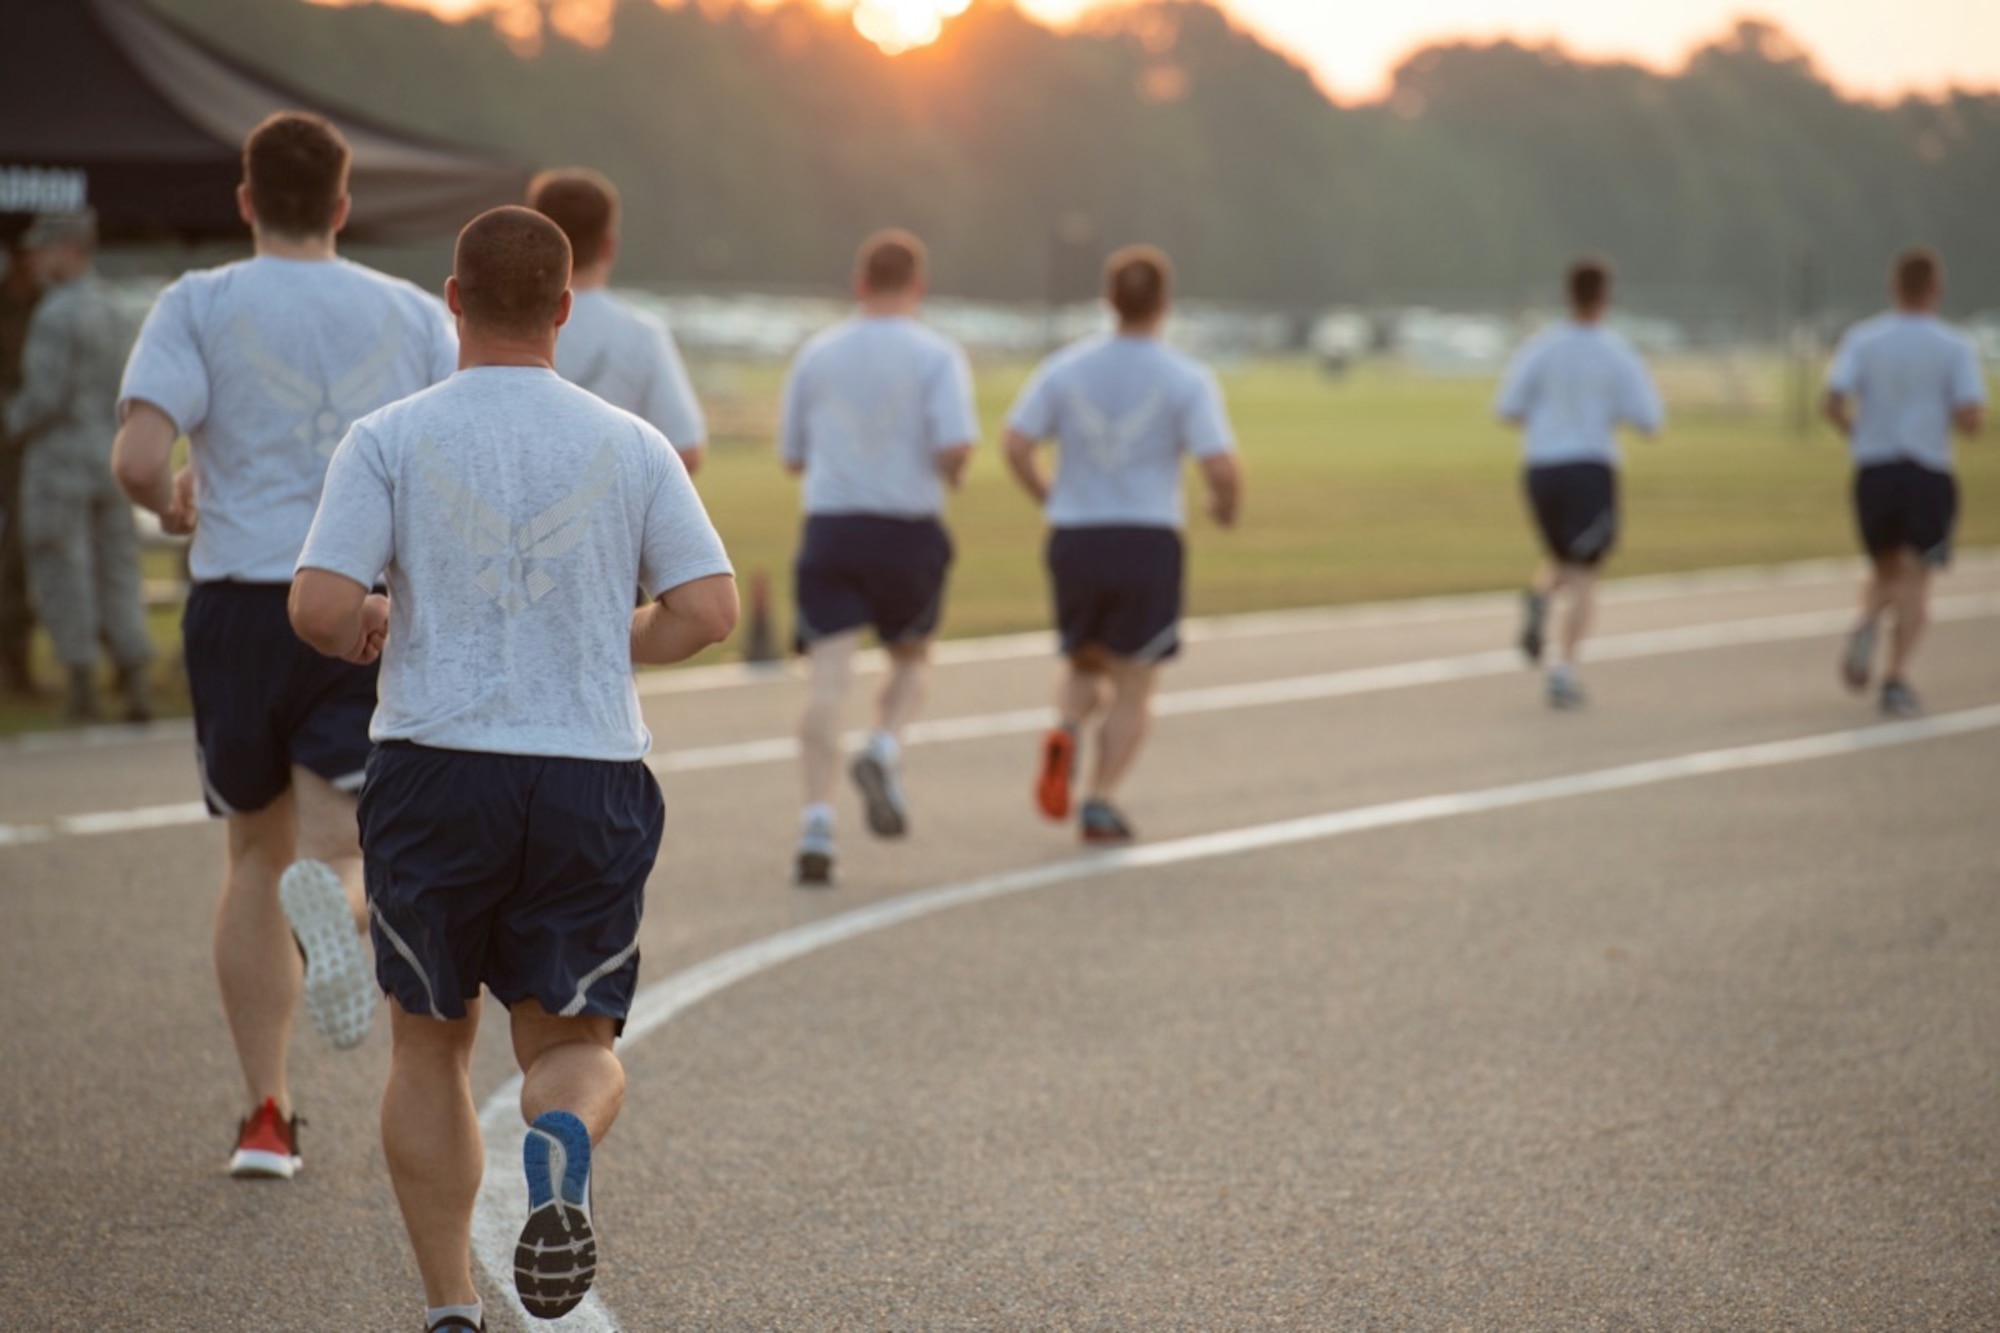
(276, 246)
(892, 305)
(1917, 307)
(1594, 315)
(592, 278)
(477, 348)
(1149, 328)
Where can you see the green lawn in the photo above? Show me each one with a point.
(1380, 485)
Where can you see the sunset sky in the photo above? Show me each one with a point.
(1352, 44)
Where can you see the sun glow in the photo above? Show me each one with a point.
(903, 25)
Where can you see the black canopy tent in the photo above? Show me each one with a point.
(108, 104)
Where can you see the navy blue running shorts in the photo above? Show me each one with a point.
(1906, 506)
(1118, 589)
(861, 570)
(1576, 510)
(265, 701)
(522, 874)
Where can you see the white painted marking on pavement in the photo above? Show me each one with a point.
(502, 1203)
(1175, 703)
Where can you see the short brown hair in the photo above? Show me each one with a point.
(1137, 282)
(295, 164)
(1589, 283)
(1918, 273)
(890, 261)
(584, 203)
(512, 266)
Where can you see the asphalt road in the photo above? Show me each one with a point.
(1418, 1007)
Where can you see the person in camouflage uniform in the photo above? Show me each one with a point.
(18, 294)
(82, 543)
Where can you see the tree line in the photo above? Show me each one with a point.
(754, 147)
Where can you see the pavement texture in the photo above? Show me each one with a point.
(1718, 1052)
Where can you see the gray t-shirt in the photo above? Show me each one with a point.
(511, 515)
(264, 365)
(1907, 374)
(1571, 386)
(629, 359)
(868, 407)
(1124, 412)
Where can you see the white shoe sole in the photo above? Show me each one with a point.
(255, 1163)
(340, 990)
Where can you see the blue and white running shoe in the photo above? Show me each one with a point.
(556, 1259)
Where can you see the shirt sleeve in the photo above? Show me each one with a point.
(1034, 412)
(791, 417)
(48, 369)
(1844, 375)
(1642, 407)
(166, 367)
(679, 544)
(1516, 398)
(1968, 378)
(670, 402)
(1205, 430)
(951, 415)
(354, 532)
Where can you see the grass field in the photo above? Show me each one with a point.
(1380, 485)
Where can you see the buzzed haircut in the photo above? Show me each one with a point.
(512, 266)
(584, 203)
(1137, 282)
(1918, 272)
(1589, 283)
(295, 164)
(890, 261)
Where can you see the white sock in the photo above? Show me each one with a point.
(817, 815)
(884, 747)
(476, 1312)
(1562, 671)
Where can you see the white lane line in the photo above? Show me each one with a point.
(503, 1204)
(1337, 684)
(1175, 703)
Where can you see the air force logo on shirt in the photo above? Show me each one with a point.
(870, 432)
(515, 575)
(1108, 439)
(324, 412)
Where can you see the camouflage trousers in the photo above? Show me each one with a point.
(83, 565)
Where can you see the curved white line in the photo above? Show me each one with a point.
(502, 1202)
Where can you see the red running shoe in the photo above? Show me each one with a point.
(267, 1145)
(1058, 767)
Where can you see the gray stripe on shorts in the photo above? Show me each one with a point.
(595, 975)
(409, 956)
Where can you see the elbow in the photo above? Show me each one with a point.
(135, 476)
(320, 629)
(713, 617)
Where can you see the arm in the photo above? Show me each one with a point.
(1224, 477)
(792, 426)
(1970, 419)
(142, 461)
(1027, 469)
(952, 463)
(692, 455)
(684, 620)
(338, 616)
(1838, 408)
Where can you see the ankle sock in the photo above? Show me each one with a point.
(817, 815)
(884, 747)
(476, 1312)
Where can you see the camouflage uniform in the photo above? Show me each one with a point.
(17, 616)
(82, 543)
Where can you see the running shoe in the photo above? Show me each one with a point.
(816, 855)
(1534, 617)
(1858, 662)
(556, 1259)
(340, 988)
(1564, 692)
(455, 1323)
(1058, 770)
(267, 1145)
(888, 814)
(1103, 824)
(1899, 700)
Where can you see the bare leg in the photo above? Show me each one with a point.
(903, 692)
(1080, 694)
(329, 832)
(255, 961)
(830, 667)
(567, 1064)
(1911, 597)
(1126, 724)
(1582, 610)
(1879, 593)
(430, 1135)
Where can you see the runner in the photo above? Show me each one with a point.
(263, 364)
(1901, 382)
(1125, 411)
(623, 355)
(509, 822)
(878, 418)
(1569, 389)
